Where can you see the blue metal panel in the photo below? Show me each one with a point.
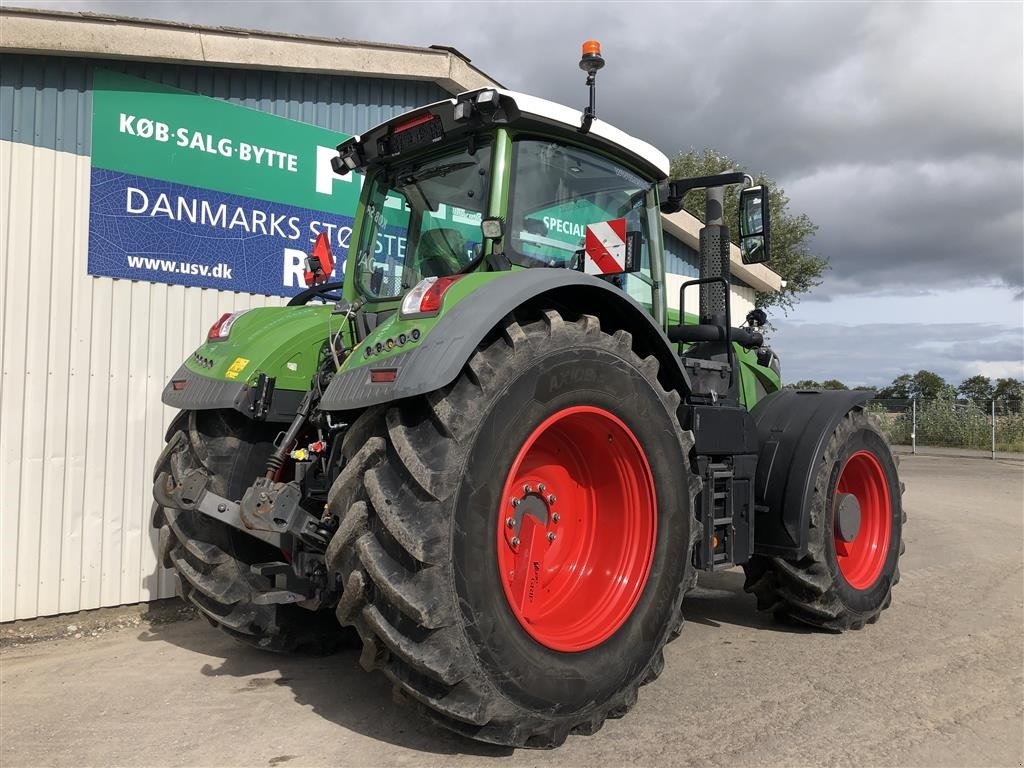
(681, 259)
(47, 101)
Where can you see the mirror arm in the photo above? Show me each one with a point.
(676, 189)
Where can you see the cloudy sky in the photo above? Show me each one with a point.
(897, 127)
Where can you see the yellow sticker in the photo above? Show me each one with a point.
(236, 368)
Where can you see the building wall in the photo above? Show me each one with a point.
(83, 358)
(681, 264)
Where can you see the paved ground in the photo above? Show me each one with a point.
(938, 681)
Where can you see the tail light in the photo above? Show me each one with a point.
(320, 262)
(220, 330)
(424, 300)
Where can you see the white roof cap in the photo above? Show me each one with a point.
(572, 118)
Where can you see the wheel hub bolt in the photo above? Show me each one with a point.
(541, 488)
(551, 499)
(527, 489)
(551, 536)
(510, 522)
(555, 517)
(515, 502)
(515, 541)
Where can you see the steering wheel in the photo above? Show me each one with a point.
(329, 292)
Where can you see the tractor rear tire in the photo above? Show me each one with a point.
(841, 584)
(212, 560)
(550, 415)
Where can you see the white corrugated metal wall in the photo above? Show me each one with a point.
(84, 359)
(81, 423)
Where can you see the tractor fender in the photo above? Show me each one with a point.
(793, 429)
(438, 359)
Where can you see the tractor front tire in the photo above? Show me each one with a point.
(212, 560)
(514, 547)
(845, 581)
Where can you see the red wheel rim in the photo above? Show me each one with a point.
(861, 560)
(576, 529)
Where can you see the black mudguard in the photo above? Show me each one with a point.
(793, 428)
(189, 391)
(439, 358)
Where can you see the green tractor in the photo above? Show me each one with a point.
(491, 452)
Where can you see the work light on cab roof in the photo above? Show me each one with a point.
(590, 62)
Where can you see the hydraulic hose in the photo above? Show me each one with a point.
(276, 460)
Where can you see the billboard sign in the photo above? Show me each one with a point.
(196, 191)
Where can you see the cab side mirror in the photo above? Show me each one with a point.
(755, 225)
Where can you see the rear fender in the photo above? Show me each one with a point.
(438, 358)
(793, 429)
(283, 343)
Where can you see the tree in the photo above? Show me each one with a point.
(900, 389)
(792, 257)
(930, 386)
(1010, 392)
(812, 384)
(978, 389)
(923, 385)
(833, 384)
(804, 384)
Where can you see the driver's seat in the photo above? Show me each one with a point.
(440, 252)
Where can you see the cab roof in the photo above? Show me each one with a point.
(510, 108)
(559, 115)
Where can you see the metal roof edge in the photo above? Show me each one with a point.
(101, 35)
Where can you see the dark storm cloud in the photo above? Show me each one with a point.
(897, 127)
(938, 223)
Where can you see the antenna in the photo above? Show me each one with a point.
(590, 62)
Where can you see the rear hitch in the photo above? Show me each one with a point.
(275, 507)
(289, 586)
(271, 513)
(192, 495)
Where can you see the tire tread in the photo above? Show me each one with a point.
(401, 498)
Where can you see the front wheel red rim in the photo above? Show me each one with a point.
(577, 524)
(861, 560)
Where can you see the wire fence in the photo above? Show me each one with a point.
(994, 426)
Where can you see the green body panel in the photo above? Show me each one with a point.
(282, 342)
(756, 381)
(396, 326)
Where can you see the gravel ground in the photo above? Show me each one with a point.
(938, 681)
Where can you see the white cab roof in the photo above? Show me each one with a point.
(560, 114)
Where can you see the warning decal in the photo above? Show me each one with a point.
(605, 247)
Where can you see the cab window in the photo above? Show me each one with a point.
(422, 220)
(556, 191)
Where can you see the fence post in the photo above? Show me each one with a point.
(993, 429)
(913, 427)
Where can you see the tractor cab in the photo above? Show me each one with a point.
(494, 180)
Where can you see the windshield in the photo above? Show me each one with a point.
(422, 220)
(557, 191)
